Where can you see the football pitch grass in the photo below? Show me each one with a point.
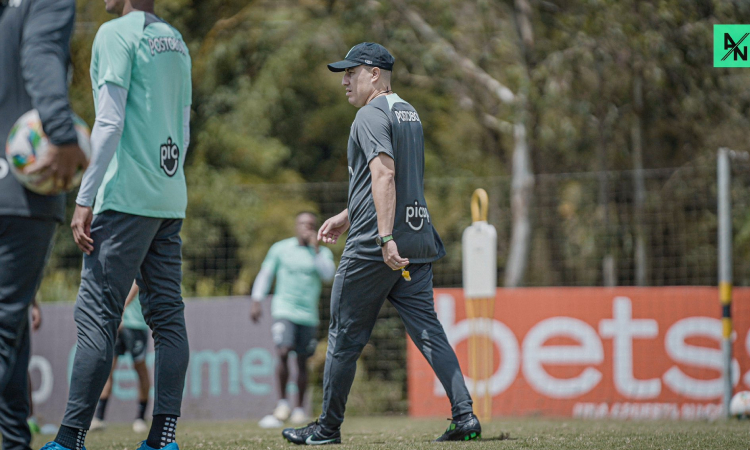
(404, 433)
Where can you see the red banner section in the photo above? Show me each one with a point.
(594, 352)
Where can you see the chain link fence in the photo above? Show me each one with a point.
(589, 229)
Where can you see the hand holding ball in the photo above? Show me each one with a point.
(40, 166)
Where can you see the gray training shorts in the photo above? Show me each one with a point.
(133, 341)
(300, 338)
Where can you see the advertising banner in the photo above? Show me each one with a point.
(595, 352)
(230, 376)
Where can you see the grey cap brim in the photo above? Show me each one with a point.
(342, 65)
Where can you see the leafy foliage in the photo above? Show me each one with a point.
(267, 111)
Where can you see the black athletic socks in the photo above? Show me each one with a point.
(71, 438)
(101, 408)
(162, 431)
(141, 409)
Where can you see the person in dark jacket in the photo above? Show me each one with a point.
(34, 59)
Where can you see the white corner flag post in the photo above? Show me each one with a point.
(480, 286)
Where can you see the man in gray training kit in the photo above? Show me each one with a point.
(387, 217)
(35, 42)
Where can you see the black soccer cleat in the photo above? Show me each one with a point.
(464, 430)
(312, 434)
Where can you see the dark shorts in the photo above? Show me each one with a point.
(300, 338)
(133, 341)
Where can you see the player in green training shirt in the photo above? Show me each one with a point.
(299, 265)
(140, 74)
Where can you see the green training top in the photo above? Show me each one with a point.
(133, 316)
(298, 284)
(147, 56)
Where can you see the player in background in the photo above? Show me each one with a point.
(132, 337)
(140, 74)
(34, 59)
(299, 265)
(36, 324)
(389, 229)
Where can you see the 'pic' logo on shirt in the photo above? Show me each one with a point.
(416, 216)
(170, 157)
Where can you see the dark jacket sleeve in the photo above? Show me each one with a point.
(45, 53)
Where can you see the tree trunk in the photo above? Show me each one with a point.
(522, 184)
(522, 189)
(467, 66)
(639, 185)
(609, 263)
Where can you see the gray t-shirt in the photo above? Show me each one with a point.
(389, 125)
(35, 42)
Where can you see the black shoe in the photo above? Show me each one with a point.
(312, 434)
(464, 430)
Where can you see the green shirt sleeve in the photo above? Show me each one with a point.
(114, 53)
(271, 263)
(188, 94)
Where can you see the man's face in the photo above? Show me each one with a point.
(114, 6)
(358, 84)
(306, 226)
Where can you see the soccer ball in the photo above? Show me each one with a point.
(740, 405)
(27, 143)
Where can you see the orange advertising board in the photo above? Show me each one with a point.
(595, 352)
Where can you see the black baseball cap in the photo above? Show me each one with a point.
(367, 53)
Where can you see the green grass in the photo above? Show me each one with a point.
(403, 433)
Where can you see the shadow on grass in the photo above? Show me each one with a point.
(500, 437)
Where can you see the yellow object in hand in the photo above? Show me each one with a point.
(405, 274)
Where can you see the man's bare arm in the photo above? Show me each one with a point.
(334, 227)
(383, 173)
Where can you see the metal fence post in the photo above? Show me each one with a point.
(725, 268)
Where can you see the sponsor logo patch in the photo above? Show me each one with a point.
(310, 441)
(166, 44)
(407, 116)
(170, 157)
(416, 215)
